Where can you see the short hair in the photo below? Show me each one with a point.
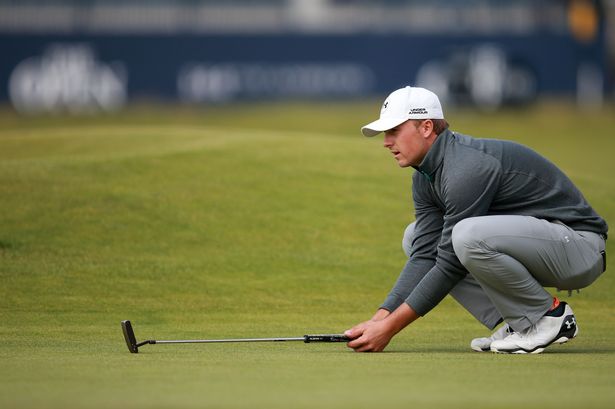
(439, 125)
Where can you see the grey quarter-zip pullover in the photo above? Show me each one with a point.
(463, 177)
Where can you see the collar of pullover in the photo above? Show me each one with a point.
(432, 161)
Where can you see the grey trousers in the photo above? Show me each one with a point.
(512, 258)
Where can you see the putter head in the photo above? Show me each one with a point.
(129, 336)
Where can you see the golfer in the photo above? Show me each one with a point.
(495, 224)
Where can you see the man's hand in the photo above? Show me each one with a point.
(370, 336)
(375, 335)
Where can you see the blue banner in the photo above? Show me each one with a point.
(83, 72)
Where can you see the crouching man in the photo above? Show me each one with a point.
(495, 224)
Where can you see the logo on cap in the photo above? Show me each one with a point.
(414, 111)
(386, 103)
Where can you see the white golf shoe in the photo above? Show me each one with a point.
(558, 326)
(484, 344)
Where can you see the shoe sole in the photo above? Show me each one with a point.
(540, 348)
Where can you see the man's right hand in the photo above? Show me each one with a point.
(371, 336)
(375, 334)
(358, 329)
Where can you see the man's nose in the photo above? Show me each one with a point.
(388, 141)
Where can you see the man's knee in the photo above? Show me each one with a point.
(468, 238)
(406, 243)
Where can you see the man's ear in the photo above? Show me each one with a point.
(426, 127)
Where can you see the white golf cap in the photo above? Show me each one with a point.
(403, 104)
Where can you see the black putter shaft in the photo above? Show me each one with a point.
(133, 345)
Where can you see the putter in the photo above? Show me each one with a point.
(133, 345)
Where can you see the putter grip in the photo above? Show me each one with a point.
(325, 338)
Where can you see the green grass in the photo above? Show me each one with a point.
(250, 221)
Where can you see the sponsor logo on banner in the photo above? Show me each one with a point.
(229, 81)
(483, 75)
(67, 77)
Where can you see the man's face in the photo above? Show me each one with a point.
(408, 142)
